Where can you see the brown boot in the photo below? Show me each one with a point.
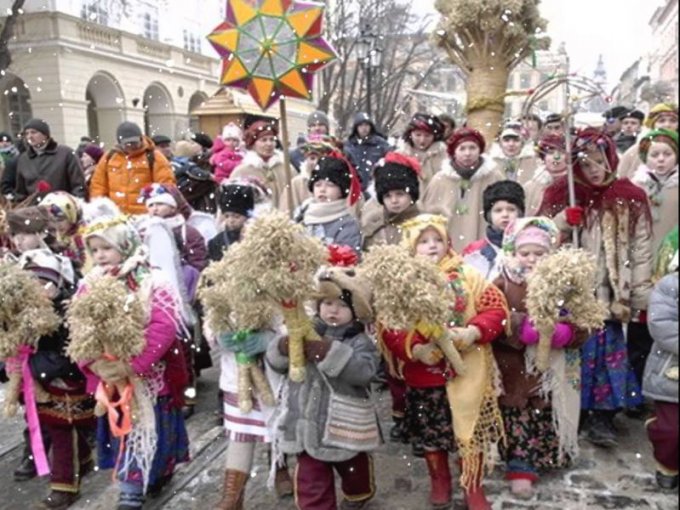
(283, 483)
(440, 478)
(234, 490)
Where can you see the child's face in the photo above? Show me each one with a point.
(104, 254)
(335, 312)
(594, 167)
(467, 154)
(326, 191)
(511, 146)
(232, 143)
(311, 159)
(396, 201)
(666, 121)
(502, 213)
(431, 245)
(661, 159)
(556, 163)
(528, 254)
(62, 226)
(421, 139)
(24, 242)
(161, 210)
(233, 221)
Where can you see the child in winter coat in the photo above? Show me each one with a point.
(660, 381)
(397, 189)
(532, 442)
(67, 419)
(503, 203)
(424, 140)
(661, 116)
(456, 191)
(160, 369)
(335, 187)
(29, 229)
(613, 222)
(440, 405)
(553, 153)
(315, 147)
(226, 152)
(161, 200)
(236, 203)
(66, 217)
(658, 176)
(342, 362)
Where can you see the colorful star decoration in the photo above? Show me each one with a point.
(272, 48)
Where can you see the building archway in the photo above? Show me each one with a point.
(15, 104)
(196, 100)
(158, 111)
(105, 107)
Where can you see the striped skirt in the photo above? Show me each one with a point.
(248, 427)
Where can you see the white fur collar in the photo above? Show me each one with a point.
(488, 167)
(432, 151)
(641, 176)
(253, 159)
(496, 153)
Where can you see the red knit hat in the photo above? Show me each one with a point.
(464, 135)
(551, 143)
(259, 129)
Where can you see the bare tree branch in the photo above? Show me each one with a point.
(8, 32)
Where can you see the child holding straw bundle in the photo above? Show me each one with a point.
(541, 403)
(124, 323)
(441, 402)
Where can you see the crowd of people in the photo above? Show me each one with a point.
(153, 213)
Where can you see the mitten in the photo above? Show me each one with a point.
(562, 336)
(620, 311)
(528, 334)
(463, 338)
(316, 350)
(429, 353)
(574, 215)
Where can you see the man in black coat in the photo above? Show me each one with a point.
(365, 147)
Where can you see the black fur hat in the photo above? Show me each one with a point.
(334, 170)
(510, 191)
(393, 176)
(237, 198)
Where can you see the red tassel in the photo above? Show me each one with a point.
(342, 256)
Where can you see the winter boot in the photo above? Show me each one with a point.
(440, 479)
(234, 490)
(397, 430)
(283, 484)
(601, 430)
(475, 499)
(666, 482)
(59, 500)
(25, 470)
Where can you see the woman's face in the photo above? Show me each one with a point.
(265, 146)
(594, 165)
(667, 121)
(421, 139)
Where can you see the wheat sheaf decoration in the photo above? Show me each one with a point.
(561, 289)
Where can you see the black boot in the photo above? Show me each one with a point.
(398, 430)
(25, 470)
(667, 482)
(601, 431)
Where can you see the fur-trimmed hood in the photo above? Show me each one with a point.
(488, 166)
(252, 158)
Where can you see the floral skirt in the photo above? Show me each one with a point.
(531, 442)
(428, 418)
(607, 379)
(172, 445)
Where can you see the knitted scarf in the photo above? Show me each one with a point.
(318, 213)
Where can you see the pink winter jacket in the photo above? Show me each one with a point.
(224, 160)
(160, 333)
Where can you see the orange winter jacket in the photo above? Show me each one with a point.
(121, 177)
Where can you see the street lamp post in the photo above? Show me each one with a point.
(370, 56)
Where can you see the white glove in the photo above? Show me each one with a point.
(429, 353)
(464, 338)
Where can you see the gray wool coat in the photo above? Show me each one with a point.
(349, 366)
(662, 319)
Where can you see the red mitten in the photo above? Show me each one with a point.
(574, 215)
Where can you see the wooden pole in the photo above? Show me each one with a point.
(568, 123)
(286, 154)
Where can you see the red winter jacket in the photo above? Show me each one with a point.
(419, 375)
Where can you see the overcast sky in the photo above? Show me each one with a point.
(618, 29)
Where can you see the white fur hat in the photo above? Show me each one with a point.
(231, 130)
